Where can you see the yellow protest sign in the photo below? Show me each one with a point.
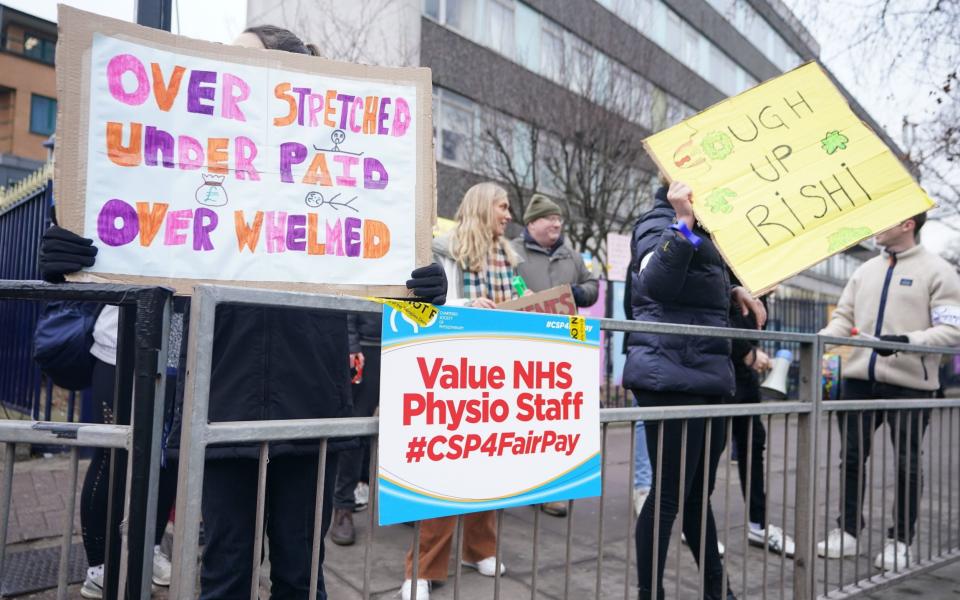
(785, 175)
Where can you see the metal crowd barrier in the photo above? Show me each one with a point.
(144, 324)
(803, 429)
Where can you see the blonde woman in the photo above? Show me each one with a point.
(479, 265)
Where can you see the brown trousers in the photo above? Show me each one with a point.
(436, 537)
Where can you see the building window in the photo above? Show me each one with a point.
(43, 115)
(431, 8)
(460, 14)
(500, 26)
(39, 48)
(551, 52)
(455, 123)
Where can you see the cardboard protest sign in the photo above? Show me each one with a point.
(188, 161)
(785, 175)
(484, 409)
(618, 256)
(554, 301)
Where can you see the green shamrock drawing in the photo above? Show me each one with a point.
(841, 238)
(717, 145)
(717, 200)
(834, 141)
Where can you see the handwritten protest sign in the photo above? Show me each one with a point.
(785, 175)
(555, 301)
(618, 256)
(484, 409)
(189, 161)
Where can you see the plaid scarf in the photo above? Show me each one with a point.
(494, 282)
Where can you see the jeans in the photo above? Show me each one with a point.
(229, 513)
(672, 489)
(906, 442)
(643, 472)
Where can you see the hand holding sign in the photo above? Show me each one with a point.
(680, 197)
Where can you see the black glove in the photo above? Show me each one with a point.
(429, 284)
(579, 297)
(62, 252)
(891, 338)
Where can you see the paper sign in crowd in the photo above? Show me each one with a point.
(785, 175)
(207, 162)
(483, 409)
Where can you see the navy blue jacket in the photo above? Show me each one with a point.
(679, 284)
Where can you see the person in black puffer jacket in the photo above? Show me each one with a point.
(680, 277)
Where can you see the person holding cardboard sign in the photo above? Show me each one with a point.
(479, 263)
(680, 277)
(270, 363)
(546, 262)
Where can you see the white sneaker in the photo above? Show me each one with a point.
(423, 589)
(639, 497)
(896, 554)
(720, 549)
(838, 544)
(93, 584)
(777, 540)
(361, 496)
(161, 567)
(486, 567)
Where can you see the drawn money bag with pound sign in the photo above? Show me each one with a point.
(211, 192)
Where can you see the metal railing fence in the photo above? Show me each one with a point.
(804, 428)
(141, 369)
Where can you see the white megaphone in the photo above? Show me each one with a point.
(774, 387)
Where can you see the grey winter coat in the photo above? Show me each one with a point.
(542, 269)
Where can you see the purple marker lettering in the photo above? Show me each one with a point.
(158, 141)
(351, 227)
(291, 153)
(110, 233)
(297, 232)
(303, 93)
(374, 174)
(201, 88)
(384, 115)
(204, 221)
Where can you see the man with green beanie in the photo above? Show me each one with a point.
(546, 262)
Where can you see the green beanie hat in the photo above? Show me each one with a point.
(540, 206)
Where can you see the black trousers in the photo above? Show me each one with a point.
(906, 438)
(696, 458)
(366, 398)
(749, 392)
(96, 483)
(229, 515)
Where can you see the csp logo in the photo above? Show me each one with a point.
(433, 312)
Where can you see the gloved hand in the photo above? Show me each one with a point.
(579, 297)
(62, 252)
(429, 284)
(891, 338)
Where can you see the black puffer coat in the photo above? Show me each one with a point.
(275, 363)
(679, 284)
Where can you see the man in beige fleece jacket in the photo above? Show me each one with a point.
(909, 295)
